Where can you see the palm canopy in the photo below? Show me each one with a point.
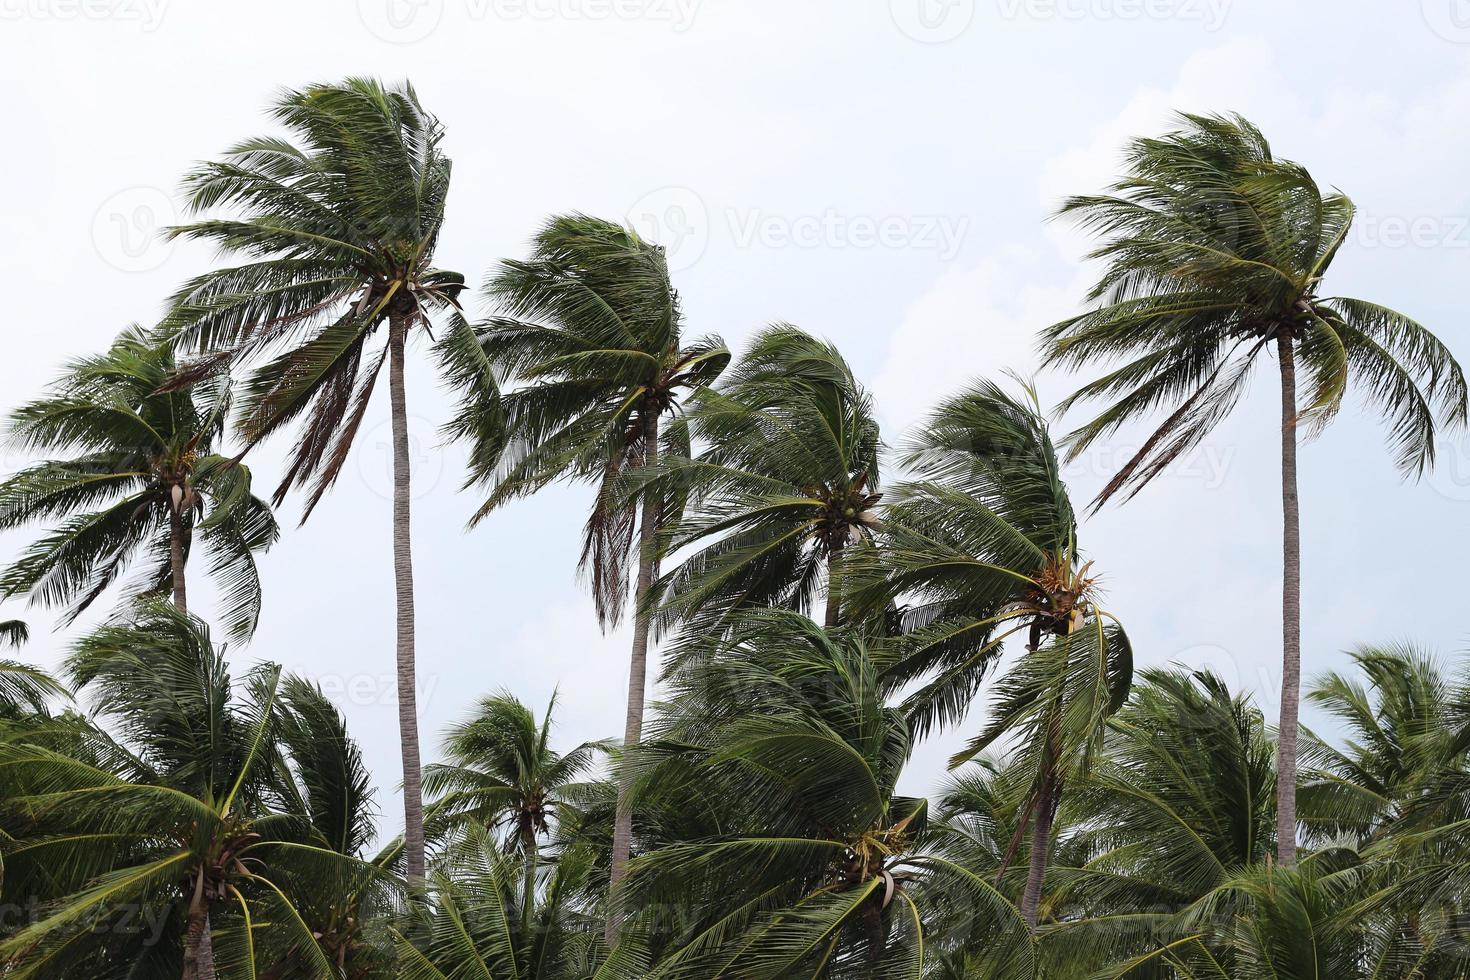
(182, 821)
(1214, 248)
(502, 773)
(590, 329)
(786, 481)
(1407, 728)
(820, 867)
(132, 458)
(983, 544)
(482, 921)
(1182, 800)
(337, 225)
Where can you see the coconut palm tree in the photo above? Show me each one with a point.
(503, 774)
(482, 922)
(138, 470)
(985, 542)
(787, 482)
(820, 868)
(1403, 735)
(1182, 801)
(159, 849)
(349, 896)
(336, 227)
(591, 329)
(1215, 255)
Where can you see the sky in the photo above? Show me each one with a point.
(879, 172)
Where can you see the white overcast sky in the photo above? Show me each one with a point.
(877, 172)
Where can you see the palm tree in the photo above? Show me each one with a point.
(346, 898)
(591, 328)
(1182, 801)
(1215, 252)
(503, 774)
(1409, 732)
(154, 847)
(482, 922)
(820, 867)
(986, 540)
(337, 228)
(140, 469)
(787, 482)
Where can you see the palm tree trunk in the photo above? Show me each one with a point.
(1291, 614)
(528, 896)
(198, 947)
(1040, 849)
(637, 677)
(176, 554)
(834, 604)
(408, 725)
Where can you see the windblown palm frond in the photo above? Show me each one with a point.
(139, 476)
(787, 481)
(339, 224)
(591, 330)
(820, 867)
(165, 833)
(1214, 248)
(985, 541)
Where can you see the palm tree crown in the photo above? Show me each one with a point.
(141, 472)
(786, 482)
(339, 225)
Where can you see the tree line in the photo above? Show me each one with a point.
(162, 817)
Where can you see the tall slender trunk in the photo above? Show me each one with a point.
(528, 894)
(198, 947)
(176, 553)
(408, 725)
(637, 678)
(834, 602)
(198, 942)
(1045, 810)
(1291, 613)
